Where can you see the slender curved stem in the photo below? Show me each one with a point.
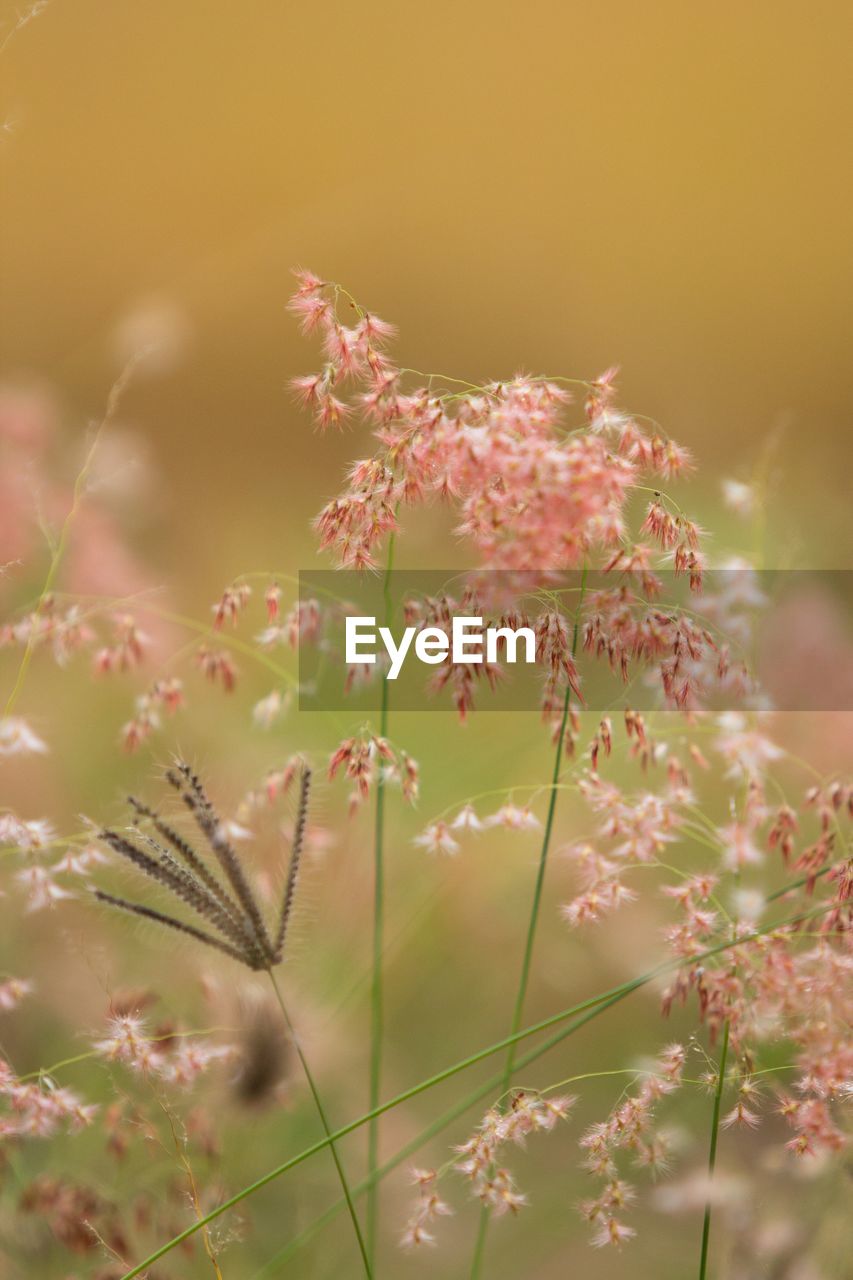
(625, 988)
(377, 992)
(486, 1090)
(321, 1111)
(712, 1151)
(532, 925)
(61, 546)
(442, 1121)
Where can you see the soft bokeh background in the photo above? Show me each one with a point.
(555, 187)
(549, 186)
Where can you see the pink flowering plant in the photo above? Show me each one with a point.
(675, 848)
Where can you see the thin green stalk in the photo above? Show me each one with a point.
(376, 992)
(59, 549)
(447, 1073)
(712, 1152)
(485, 1090)
(321, 1111)
(524, 978)
(532, 925)
(439, 1078)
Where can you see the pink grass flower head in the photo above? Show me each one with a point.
(17, 738)
(13, 991)
(437, 839)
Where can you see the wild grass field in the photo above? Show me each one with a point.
(309, 972)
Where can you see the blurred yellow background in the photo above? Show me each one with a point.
(553, 186)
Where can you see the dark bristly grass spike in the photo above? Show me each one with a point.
(295, 861)
(189, 787)
(149, 913)
(240, 929)
(238, 919)
(186, 889)
(185, 851)
(227, 920)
